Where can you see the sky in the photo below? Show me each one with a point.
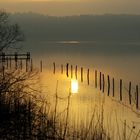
(72, 7)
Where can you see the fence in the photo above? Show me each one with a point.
(7, 59)
(102, 82)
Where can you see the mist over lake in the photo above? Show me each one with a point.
(107, 42)
(120, 28)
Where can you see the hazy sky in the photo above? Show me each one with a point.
(72, 7)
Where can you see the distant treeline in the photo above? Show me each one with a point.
(84, 27)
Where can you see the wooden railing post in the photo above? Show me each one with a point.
(10, 63)
(7, 62)
(21, 64)
(26, 65)
(16, 58)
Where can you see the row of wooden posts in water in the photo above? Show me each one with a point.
(110, 82)
(18, 58)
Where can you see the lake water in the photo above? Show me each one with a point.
(119, 60)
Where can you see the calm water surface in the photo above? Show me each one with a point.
(119, 60)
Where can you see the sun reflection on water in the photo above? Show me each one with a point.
(74, 86)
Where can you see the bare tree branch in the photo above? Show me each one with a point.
(10, 34)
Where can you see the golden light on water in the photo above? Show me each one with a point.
(74, 86)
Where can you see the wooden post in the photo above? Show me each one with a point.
(15, 64)
(137, 97)
(28, 56)
(16, 58)
(7, 64)
(120, 89)
(10, 63)
(76, 72)
(31, 65)
(95, 78)
(130, 93)
(71, 71)
(88, 76)
(81, 74)
(3, 59)
(100, 81)
(61, 68)
(103, 83)
(41, 66)
(3, 71)
(26, 65)
(113, 87)
(21, 64)
(67, 69)
(108, 79)
(53, 67)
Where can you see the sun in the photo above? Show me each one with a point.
(74, 86)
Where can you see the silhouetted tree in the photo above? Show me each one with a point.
(10, 34)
